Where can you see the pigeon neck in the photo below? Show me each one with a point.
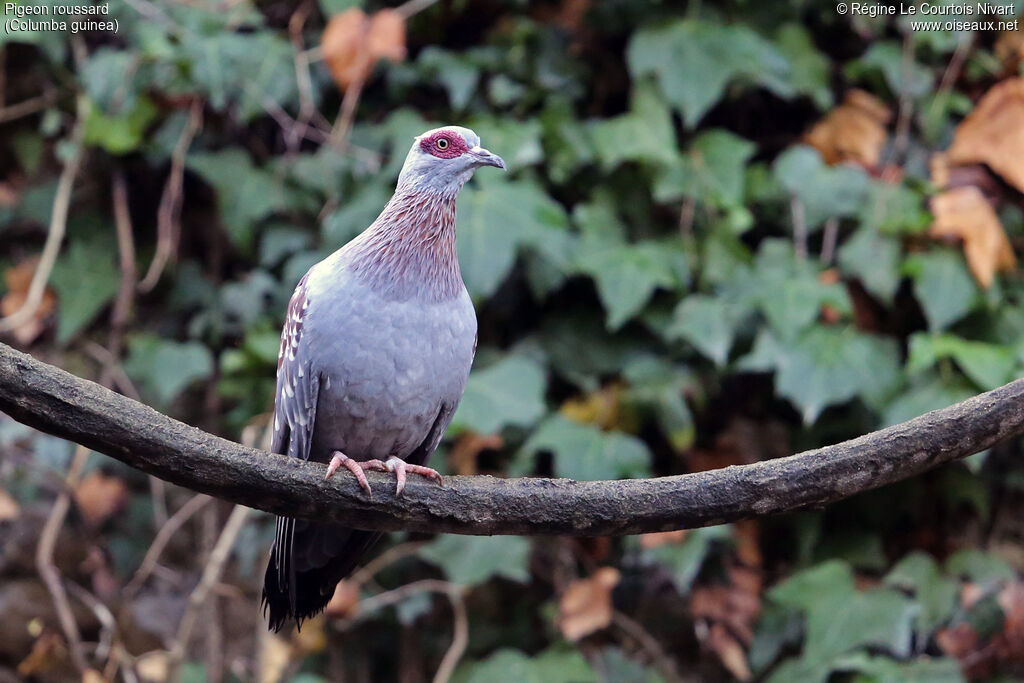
(409, 251)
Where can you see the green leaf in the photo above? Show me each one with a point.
(987, 365)
(495, 222)
(517, 142)
(826, 366)
(685, 559)
(510, 392)
(245, 193)
(457, 73)
(936, 594)
(85, 279)
(584, 452)
(119, 133)
(713, 171)
(709, 323)
(657, 385)
(551, 666)
(839, 618)
(627, 275)
(165, 368)
(470, 560)
(902, 76)
(979, 566)
(942, 285)
(694, 61)
(785, 288)
(809, 69)
(873, 259)
(923, 669)
(825, 191)
(645, 134)
(928, 392)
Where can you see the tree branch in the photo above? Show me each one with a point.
(61, 404)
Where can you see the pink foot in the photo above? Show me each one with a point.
(400, 467)
(393, 464)
(339, 459)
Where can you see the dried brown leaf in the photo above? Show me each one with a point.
(9, 508)
(352, 43)
(586, 606)
(853, 131)
(661, 538)
(18, 279)
(345, 602)
(468, 447)
(993, 134)
(98, 496)
(964, 213)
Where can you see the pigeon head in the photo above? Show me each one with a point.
(442, 160)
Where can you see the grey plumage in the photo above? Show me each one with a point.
(375, 353)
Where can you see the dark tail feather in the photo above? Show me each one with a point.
(299, 584)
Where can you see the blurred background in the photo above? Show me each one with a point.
(729, 232)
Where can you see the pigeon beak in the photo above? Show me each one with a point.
(484, 157)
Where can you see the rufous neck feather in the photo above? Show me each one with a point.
(409, 251)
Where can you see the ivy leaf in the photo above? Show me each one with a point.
(551, 666)
(119, 133)
(694, 61)
(471, 560)
(685, 559)
(809, 69)
(825, 191)
(709, 323)
(165, 368)
(840, 619)
(627, 275)
(456, 72)
(785, 288)
(494, 223)
(510, 392)
(87, 260)
(712, 171)
(988, 365)
(928, 392)
(517, 142)
(942, 285)
(826, 366)
(936, 594)
(645, 134)
(355, 214)
(245, 193)
(874, 259)
(585, 453)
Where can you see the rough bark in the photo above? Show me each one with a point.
(54, 401)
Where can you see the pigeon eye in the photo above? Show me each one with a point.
(442, 143)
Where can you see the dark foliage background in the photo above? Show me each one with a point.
(729, 232)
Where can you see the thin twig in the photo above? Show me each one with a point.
(829, 239)
(649, 644)
(796, 208)
(413, 7)
(160, 541)
(48, 570)
(125, 301)
(385, 559)
(103, 614)
(346, 117)
(211, 575)
(28, 107)
(307, 108)
(460, 638)
(58, 225)
(168, 214)
(460, 626)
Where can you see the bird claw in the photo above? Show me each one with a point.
(399, 467)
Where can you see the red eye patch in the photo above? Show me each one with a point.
(444, 144)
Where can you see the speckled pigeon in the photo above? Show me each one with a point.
(375, 352)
